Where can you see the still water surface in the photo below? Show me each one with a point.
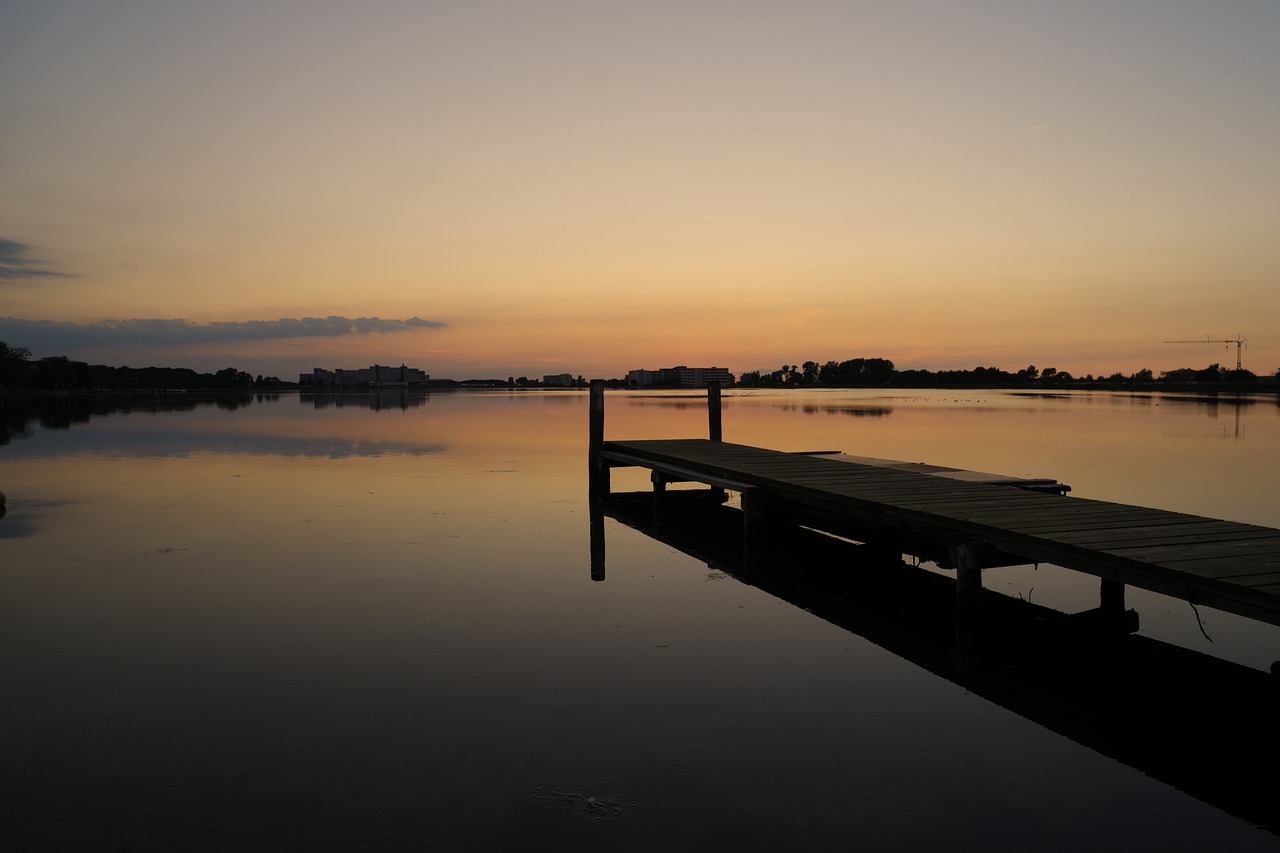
(370, 623)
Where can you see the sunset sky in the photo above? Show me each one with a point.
(505, 188)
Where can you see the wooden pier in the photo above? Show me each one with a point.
(966, 524)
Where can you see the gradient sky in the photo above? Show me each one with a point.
(516, 188)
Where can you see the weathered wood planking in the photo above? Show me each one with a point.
(1224, 564)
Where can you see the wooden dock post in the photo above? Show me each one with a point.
(713, 411)
(596, 511)
(715, 433)
(597, 478)
(598, 469)
(659, 481)
(1111, 597)
(967, 560)
(757, 521)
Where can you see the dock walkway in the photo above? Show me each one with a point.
(974, 525)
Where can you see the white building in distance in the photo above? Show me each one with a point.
(374, 376)
(681, 376)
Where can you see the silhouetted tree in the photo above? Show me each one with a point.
(57, 372)
(13, 365)
(1212, 373)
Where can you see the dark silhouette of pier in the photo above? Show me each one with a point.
(965, 524)
(1200, 724)
(829, 536)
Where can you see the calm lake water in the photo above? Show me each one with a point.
(368, 623)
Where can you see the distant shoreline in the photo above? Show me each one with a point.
(1261, 386)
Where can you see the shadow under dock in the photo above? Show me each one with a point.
(1201, 724)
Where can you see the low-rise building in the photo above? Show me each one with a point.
(374, 376)
(681, 377)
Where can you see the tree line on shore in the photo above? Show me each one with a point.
(58, 373)
(870, 372)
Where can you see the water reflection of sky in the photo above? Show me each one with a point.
(227, 425)
(378, 626)
(129, 440)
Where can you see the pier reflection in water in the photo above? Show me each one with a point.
(1204, 725)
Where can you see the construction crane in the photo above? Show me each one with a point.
(1237, 340)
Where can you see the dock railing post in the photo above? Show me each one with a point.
(713, 411)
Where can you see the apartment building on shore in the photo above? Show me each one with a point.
(680, 377)
(374, 376)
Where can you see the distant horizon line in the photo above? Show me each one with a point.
(882, 364)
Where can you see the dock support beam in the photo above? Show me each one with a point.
(1113, 619)
(598, 470)
(714, 430)
(596, 512)
(659, 482)
(1111, 597)
(713, 412)
(759, 523)
(598, 478)
(967, 560)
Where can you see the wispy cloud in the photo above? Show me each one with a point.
(17, 264)
(805, 315)
(49, 334)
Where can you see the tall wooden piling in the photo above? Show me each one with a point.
(597, 476)
(713, 412)
(713, 418)
(598, 469)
